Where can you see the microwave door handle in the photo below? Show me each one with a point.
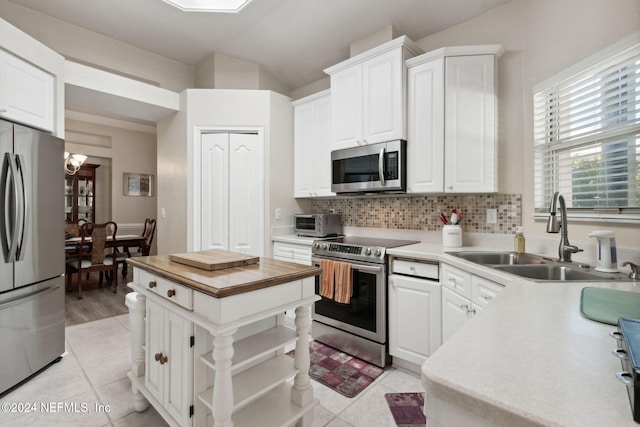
(381, 166)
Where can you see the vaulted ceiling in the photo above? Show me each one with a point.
(294, 40)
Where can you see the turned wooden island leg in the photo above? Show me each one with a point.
(302, 391)
(137, 307)
(222, 404)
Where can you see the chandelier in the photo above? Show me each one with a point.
(72, 162)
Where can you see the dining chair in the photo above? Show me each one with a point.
(93, 254)
(148, 232)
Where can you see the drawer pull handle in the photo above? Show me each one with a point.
(464, 307)
(452, 280)
(171, 292)
(615, 334)
(152, 284)
(471, 311)
(161, 358)
(620, 353)
(487, 297)
(625, 377)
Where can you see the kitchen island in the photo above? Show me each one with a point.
(208, 347)
(528, 359)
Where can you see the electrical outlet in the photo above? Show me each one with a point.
(278, 213)
(492, 216)
(163, 213)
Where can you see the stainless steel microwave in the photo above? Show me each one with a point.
(369, 168)
(317, 225)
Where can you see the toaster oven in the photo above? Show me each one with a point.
(317, 225)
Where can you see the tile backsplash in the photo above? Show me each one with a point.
(423, 212)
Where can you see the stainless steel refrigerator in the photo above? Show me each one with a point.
(32, 260)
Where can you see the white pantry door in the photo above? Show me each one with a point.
(232, 192)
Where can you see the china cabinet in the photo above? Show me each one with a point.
(79, 194)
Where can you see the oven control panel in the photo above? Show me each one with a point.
(348, 251)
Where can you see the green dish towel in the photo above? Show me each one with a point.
(608, 305)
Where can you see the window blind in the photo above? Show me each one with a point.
(587, 136)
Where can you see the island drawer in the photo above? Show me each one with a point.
(167, 289)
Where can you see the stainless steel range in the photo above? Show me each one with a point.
(358, 327)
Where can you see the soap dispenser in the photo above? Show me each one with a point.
(606, 256)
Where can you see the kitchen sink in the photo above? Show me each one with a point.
(499, 258)
(554, 272)
(536, 267)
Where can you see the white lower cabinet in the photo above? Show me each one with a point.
(414, 310)
(292, 252)
(167, 360)
(463, 295)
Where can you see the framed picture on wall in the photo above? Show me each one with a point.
(136, 184)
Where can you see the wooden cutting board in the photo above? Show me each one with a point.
(214, 259)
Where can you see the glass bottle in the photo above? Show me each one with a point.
(518, 242)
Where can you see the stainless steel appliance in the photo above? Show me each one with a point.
(317, 225)
(369, 168)
(32, 261)
(360, 327)
(628, 350)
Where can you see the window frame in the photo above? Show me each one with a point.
(546, 179)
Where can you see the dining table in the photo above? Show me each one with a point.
(71, 244)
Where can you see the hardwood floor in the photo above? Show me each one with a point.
(96, 303)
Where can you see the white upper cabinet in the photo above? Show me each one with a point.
(425, 159)
(452, 120)
(312, 146)
(368, 95)
(26, 93)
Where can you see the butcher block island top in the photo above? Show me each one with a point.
(228, 281)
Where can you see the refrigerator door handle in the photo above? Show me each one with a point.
(11, 229)
(22, 211)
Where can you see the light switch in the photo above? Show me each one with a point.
(278, 213)
(163, 213)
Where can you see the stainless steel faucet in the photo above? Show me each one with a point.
(553, 226)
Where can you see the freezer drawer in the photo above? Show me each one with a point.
(32, 329)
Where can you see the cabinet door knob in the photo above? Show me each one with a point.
(152, 284)
(161, 358)
(171, 292)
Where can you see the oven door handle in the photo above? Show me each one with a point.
(366, 268)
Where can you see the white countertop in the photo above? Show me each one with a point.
(529, 357)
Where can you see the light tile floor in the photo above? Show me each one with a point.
(89, 387)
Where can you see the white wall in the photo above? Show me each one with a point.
(541, 37)
(222, 109)
(92, 48)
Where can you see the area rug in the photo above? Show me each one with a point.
(406, 409)
(339, 371)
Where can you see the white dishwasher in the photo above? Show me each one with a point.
(415, 309)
